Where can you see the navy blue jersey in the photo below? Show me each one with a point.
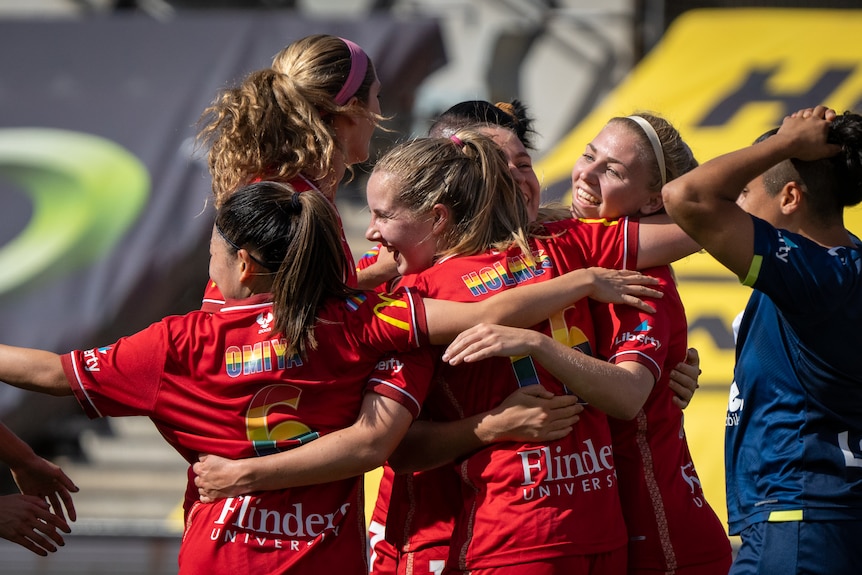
(794, 416)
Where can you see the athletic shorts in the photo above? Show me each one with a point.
(811, 547)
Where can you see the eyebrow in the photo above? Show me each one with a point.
(611, 159)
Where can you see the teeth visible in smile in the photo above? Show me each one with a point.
(588, 198)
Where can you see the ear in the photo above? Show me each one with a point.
(350, 116)
(654, 204)
(440, 215)
(790, 198)
(246, 267)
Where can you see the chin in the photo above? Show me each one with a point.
(579, 212)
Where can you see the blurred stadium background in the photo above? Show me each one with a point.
(126, 80)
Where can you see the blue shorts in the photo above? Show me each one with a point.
(811, 547)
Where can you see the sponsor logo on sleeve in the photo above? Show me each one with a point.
(640, 334)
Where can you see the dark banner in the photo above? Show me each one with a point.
(104, 225)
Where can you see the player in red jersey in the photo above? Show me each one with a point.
(670, 525)
(305, 120)
(422, 196)
(293, 356)
(427, 496)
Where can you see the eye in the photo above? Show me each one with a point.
(614, 173)
(587, 156)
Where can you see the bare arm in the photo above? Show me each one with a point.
(703, 201)
(348, 452)
(34, 370)
(529, 414)
(619, 390)
(661, 242)
(530, 304)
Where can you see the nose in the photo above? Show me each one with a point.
(372, 234)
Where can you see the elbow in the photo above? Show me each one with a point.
(400, 462)
(378, 452)
(682, 201)
(671, 195)
(626, 413)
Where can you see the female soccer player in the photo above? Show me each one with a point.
(305, 120)
(294, 355)
(773, 214)
(670, 525)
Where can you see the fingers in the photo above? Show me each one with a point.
(682, 404)
(49, 529)
(58, 509)
(478, 342)
(33, 526)
(536, 390)
(692, 357)
(638, 303)
(629, 276)
(682, 394)
(68, 504)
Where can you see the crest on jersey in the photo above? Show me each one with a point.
(264, 320)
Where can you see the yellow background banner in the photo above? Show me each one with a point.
(723, 77)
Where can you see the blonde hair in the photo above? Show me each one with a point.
(467, 173)
(277, 123)
(678, 157)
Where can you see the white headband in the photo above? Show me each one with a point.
(652, 136)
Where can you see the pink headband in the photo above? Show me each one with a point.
(358, 67)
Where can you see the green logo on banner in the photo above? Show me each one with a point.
(86, 193)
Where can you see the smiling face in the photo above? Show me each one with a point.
(610, 179)
(410, 237)
(520, 165)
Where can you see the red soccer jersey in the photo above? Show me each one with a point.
(213, 299)
(669, 522)
(221, 383)
(524, 502)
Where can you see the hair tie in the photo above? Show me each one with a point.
(458, 141)
(654, 140)
(295, 203)
(358, 67)
(508, 108)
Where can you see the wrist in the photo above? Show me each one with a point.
(486, 430)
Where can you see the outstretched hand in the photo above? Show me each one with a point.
(27, 520)
(623, 287)
(41, 478)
